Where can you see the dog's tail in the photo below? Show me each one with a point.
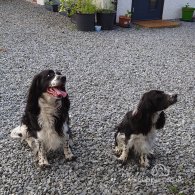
(19, 132)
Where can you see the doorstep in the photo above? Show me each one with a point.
(157, 23)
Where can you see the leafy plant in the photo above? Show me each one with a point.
(72, 7)
(128, 14)
(67, 6)
(187, 5)
(85, 7)
(137, 27)
(114, 3)
(173, 189)
(181, 193)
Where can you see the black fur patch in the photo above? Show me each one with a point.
(161, 121)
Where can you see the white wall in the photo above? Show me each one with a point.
(172, 8)
(40, 2)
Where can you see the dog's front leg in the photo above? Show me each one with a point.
(67, 150)
(128, 144)
(39, 151)
(144, 160)
(42, 156)
(124, 155)
(117, 151)
(120, 145)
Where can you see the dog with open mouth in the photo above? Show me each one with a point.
(45, 123)
(137, 130)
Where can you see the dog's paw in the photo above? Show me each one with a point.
(44, 166)
(71, 158)
(145, 163)
(43, 163)
(117, 152)
(122, 160)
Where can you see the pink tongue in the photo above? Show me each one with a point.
(56, 92)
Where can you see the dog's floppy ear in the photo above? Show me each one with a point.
(161, 121)
(136, 114)
(144, 106)
(34, 92)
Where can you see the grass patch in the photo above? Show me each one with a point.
(173, 189)
(137, 27)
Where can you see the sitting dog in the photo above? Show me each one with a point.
(137, 129)
(45, 123)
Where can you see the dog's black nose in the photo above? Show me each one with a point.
(63, 79)
(174, 97)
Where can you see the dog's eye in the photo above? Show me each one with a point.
(50, 75)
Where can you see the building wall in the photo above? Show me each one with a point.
(172, 8)
(40, 2)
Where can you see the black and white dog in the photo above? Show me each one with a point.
(45, 123)
(137, 129)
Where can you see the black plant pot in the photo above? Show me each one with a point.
(85, 22)
(106, 20)
(55, 8)
(48, 7)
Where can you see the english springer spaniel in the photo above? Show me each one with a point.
(45, 123)
(137, 129)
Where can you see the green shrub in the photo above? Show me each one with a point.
(72, 7)
(67, 6)
(85, 7)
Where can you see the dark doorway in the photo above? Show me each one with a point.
(147, 9)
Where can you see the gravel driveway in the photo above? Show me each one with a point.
(107, 73)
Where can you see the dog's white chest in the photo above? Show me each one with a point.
(49, 110)
(46, 120)
(50, 138)
(142, 143)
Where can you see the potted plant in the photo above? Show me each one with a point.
(187, 12)
(52, 5)
(124, 21)
(85, 15)
(67, 7)
(106, 18)
(82, 12)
